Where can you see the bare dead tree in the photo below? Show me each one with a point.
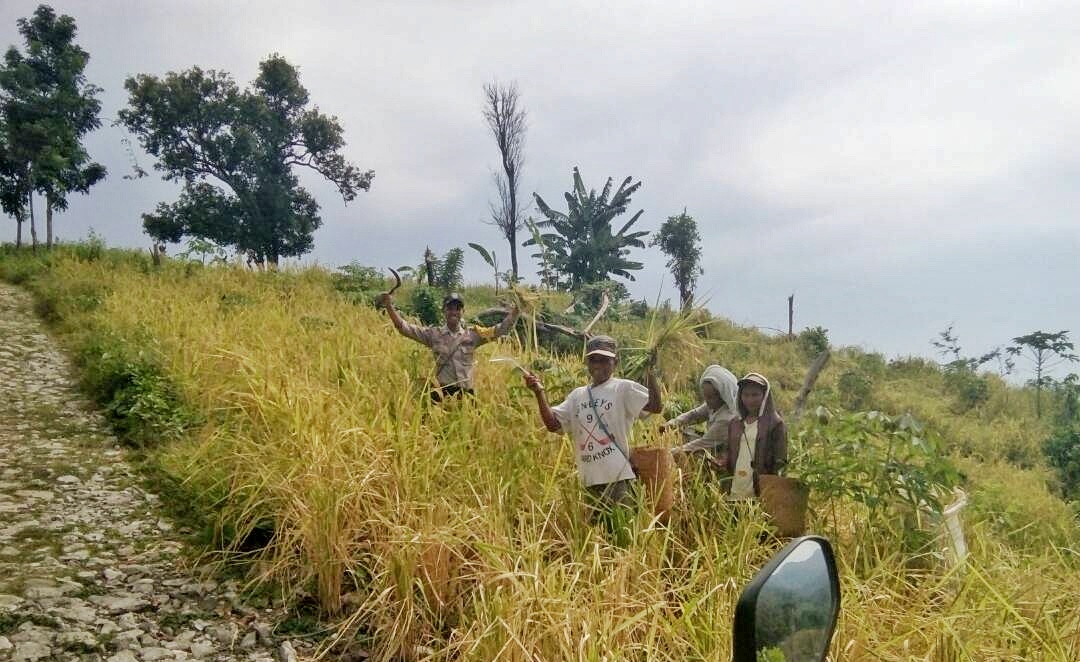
(506, 119)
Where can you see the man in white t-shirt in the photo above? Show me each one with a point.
(599, 418)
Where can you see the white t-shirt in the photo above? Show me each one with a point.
(618, 402)
(742, 485)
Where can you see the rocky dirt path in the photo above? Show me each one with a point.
(89, 567)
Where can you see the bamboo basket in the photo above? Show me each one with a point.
(654, 466)
(785, 500)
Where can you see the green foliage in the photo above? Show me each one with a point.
(813, 341)
(678, 238)
(91, 249)
(582, 247)
(591, 295)
(426, 304)
(142, 404)
(1045, 351)
(359, 283)
(856, 389)
(450, 268)
(1062, 451)
(885, 463)
(969, 388)
(46, 108)
(234, 151)
(203, 248)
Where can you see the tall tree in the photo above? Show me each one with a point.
(235, 151)
(14, 183)
(48, 107)
(583, 247)
(678, 238)
(1046, 351)
(506, 119)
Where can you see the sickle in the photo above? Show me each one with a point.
(397, 278)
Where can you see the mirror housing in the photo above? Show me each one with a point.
(789, 609)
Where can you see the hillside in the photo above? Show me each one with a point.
(288, 426)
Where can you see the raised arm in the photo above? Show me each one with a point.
(403, 327)
(551, 422)
(508, 322)
(653, 405)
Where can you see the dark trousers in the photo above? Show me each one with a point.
(440, 393)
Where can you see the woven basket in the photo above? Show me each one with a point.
(655, 468)
(785, 500)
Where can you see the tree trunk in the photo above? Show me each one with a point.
(811, 378)
(429, 266)
(791, 316)
(33, 227)
(1038, 390)
(48, 221)
(19, 219)
(513, 253)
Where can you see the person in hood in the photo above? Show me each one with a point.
(719, 392)
(757, 438)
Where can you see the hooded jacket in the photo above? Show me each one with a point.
(770, 446)
(726, 385)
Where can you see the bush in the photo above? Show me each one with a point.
(356, 277)
(1062, 451)
(90, 250)
(143, 406)
(813, 341)
(887, 464)
(913, 366)
(969, 389)
(590, 297)
(856, 390)
(426, 303)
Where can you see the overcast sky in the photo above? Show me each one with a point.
(898, 169)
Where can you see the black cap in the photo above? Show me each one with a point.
(453, 297)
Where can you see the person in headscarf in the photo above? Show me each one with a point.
(719, 392)
(757, 438)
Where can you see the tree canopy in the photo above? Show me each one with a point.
(582, 247)
(679, 239)
(46, 107)
(235, 152)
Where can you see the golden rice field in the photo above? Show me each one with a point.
(456, 533)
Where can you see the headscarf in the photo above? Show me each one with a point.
(767, 407)
(726, 385)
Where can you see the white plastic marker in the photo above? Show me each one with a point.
(512, 361)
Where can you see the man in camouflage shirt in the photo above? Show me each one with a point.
(453, 344)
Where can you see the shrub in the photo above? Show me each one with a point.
(969, 389)
(426, 303)
(591, 295)
(1062, 451)
(855, 389)
(813, 341)
(450, 269)
(140, 402)
(887, 464)
(356, 277)
(913, 366)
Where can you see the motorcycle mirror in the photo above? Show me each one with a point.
(788, 612)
